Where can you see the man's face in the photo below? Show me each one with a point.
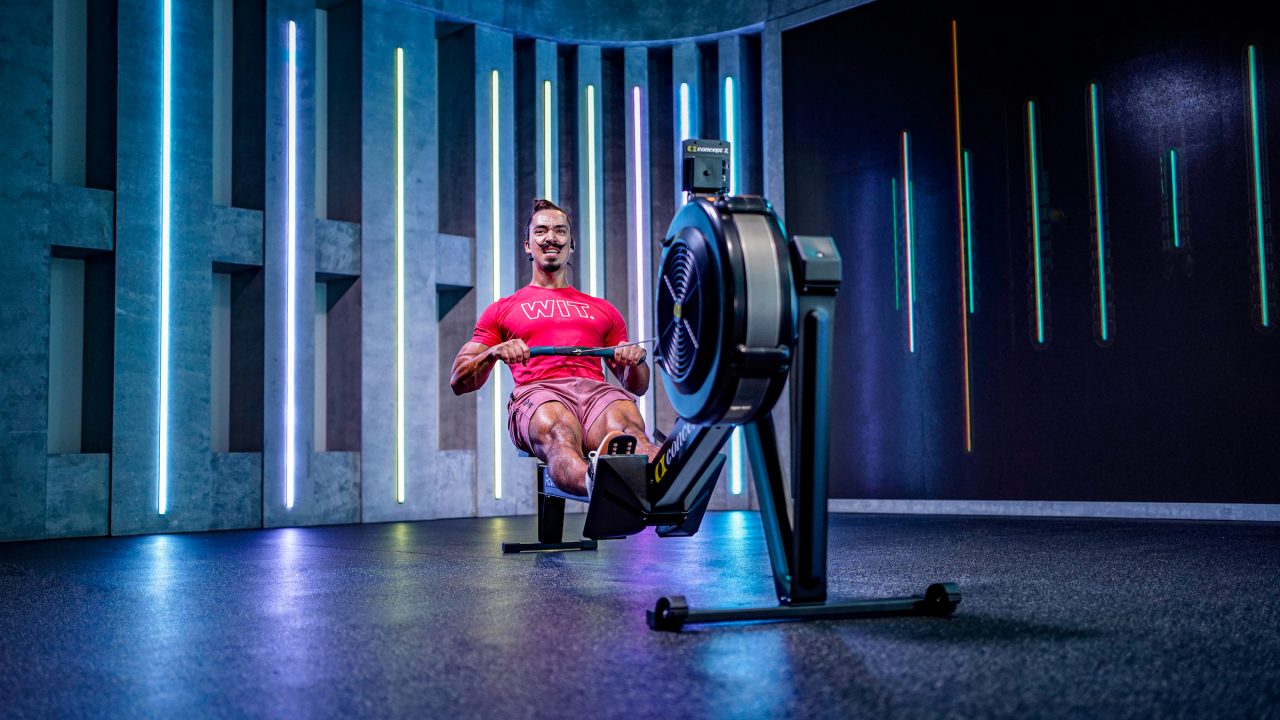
(549, 239)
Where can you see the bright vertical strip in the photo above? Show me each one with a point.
(637, 162)
(893, 194)
(162, 479)
(1099, 235)
(736, 451)
(495, 167)
(731, 133)
(1034, 172)
(686, 128)
(546, 139)
(291, 271)
(400, 319)
(592, 240)
(968, 228)
(961, 193)
(1173, 197)
(909, 241)
(1255, 130)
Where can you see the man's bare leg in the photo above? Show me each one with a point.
(556, 437)
(622, 416)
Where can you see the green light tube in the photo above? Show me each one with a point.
(1173, 196)
(1264, 303)
(1095, 117)
(1034, 171)
(400, 319)
(546, 139)
(495, 166)
(968, 231)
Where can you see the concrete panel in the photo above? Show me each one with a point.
(498, 487)
(26, 74)
(237, 236)
(337, 486)
(589, 219)
(138, 218)
(388, 26)
(280, 458)
(78, 488)
(337, 249)
(236, 497)
(82, 218)
(455, 267)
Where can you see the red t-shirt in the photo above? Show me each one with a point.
(547, 316)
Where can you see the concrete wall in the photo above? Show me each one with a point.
(103, 474)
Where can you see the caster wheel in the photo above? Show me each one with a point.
(669, 614)
(941, 599)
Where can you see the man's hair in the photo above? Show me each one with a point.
(540, 204)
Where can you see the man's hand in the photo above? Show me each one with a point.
(629, 356)
(511, 352)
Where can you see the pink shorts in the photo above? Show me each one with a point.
(585, 398)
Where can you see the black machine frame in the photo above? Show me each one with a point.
(740, 247)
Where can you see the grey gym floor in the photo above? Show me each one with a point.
(1060, 618)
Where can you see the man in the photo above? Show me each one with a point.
(561, 406)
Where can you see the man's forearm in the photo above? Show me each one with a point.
(636, 379)
(471, 373)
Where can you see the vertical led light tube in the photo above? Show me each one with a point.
(162, 476)
(736, 449)
(495, 167)
(968, 230)
(731, 133)
(686, 129)
(546, 140)
(1099, 231)
(1033, 172)
(291, 271)
(963, 232)
(593, 286)
(1256, 156)
(400, 319)
(1173, 197)
(637, 162)
(909, 241)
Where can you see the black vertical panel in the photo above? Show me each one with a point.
(249, 105)
(709, 93)
(615, 99)
(99, 353)
(345, 105)
(1180, 405)
(455, 50)
(528, 147)
(752, 152)
(248, 296)
(343, 361)
(567, 89)
(100, 100)
(662, 130)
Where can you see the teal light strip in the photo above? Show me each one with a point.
(1173, 197)
(893, 186)
(968, 232)
(1095, 116)
(1034, 172)
(1264, 303)
(166, 115)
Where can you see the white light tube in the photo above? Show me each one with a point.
(291, 270)
(495, 167)
(400, 387)
(162, 483)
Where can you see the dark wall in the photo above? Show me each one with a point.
(1179, 402)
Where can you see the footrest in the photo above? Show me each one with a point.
(512, 547)
(550, 488)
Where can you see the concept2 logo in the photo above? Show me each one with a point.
(669, 457)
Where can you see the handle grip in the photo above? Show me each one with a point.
(570, 350)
